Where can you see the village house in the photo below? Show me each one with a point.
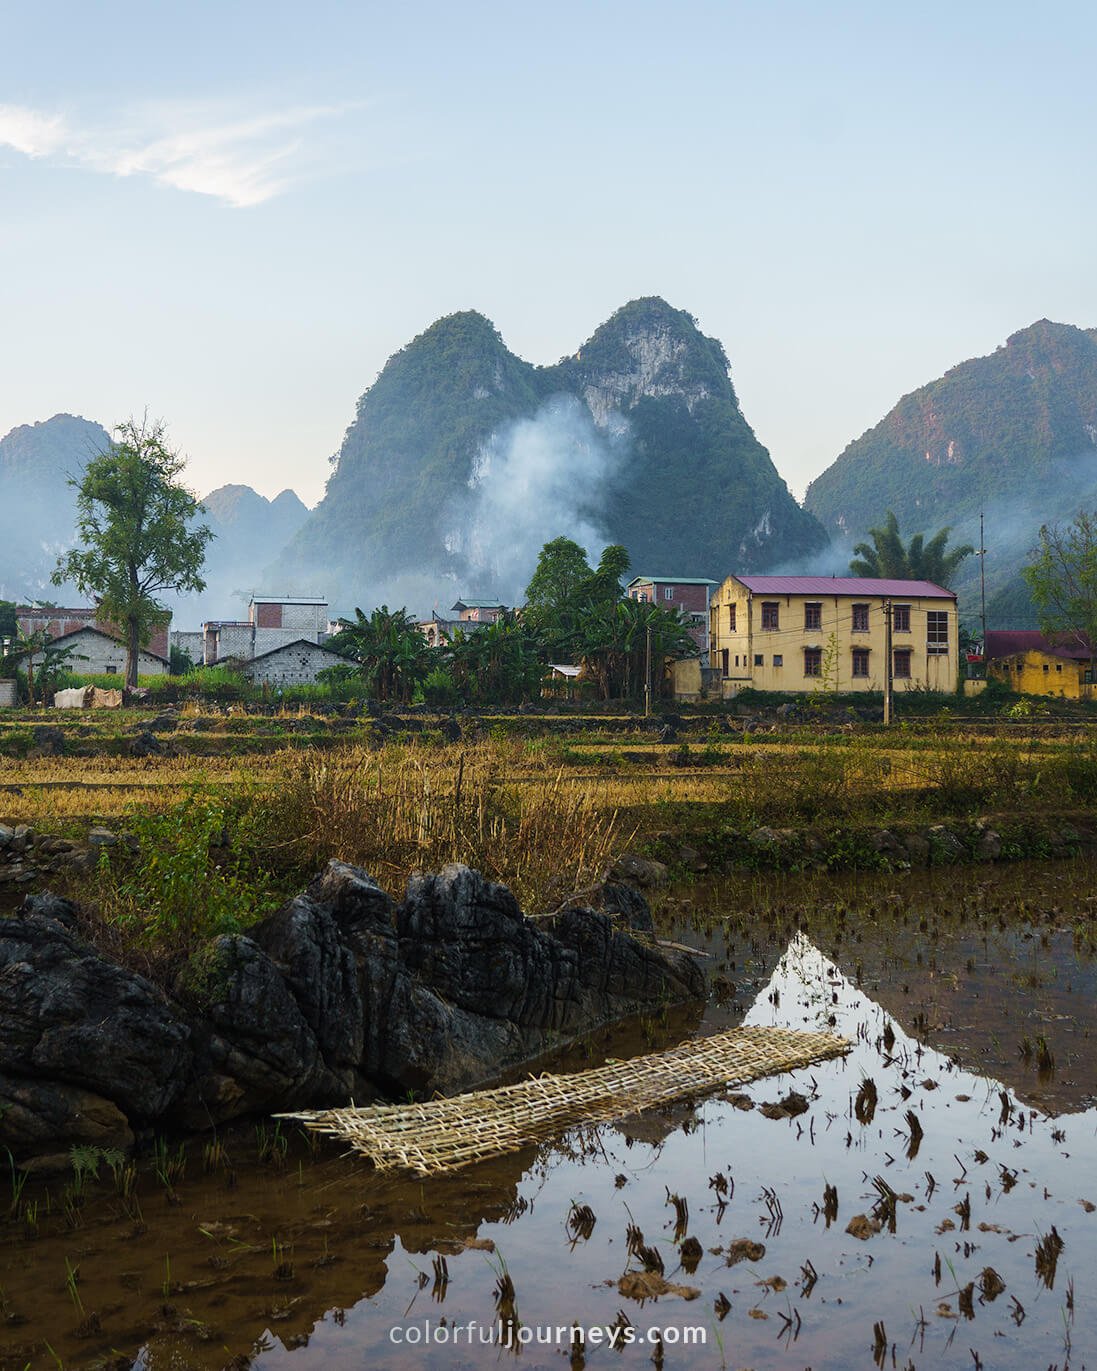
(471, 616)
(1027, 662)
(688, 595)
(273, 621)
(95, 653)
(291, 664)
(804, 633)
(60, 622)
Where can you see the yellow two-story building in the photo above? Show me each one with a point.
(805, 633)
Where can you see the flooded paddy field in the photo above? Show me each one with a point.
(927, 1201)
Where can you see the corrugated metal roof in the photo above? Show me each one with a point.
(843, 585)
(479, 604)
(1006, 642)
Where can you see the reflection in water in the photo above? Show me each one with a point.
(908, 1212)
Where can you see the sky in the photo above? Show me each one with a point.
(231, 215)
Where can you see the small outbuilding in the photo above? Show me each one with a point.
(296, 663)
(1031, 664)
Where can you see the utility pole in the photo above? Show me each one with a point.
(983, 589)
(647, 676)
(887, 667)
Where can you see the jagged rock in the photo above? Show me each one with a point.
(889, 847)
(639, 870)
(44, 1117)
(988, 845)
(68, 1015)
(49, 741)
(917, 848)
(145, 744)
(625, 905)
(337, 995)
(944, 846)
(304, 940)
(252, 1045)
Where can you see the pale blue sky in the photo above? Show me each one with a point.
(233, 214)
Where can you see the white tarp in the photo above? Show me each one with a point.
(70, 699)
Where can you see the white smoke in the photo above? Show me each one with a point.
(535, 480)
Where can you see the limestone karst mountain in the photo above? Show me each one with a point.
(1013, 435)
(463, 459)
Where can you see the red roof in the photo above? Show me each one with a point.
(843, 585)
(1006, 642)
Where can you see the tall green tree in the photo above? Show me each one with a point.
(887, 558)
(1062, 580)
(562, 568)
(136, 524)
(9, 627)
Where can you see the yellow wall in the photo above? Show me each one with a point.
(686, 678)
(1039, 673)
(750, 641)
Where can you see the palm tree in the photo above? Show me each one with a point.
(886, 557)
(392, 654)
(613, 644)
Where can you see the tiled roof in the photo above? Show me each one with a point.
(843, 585)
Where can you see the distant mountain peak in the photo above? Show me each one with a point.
(460, 446)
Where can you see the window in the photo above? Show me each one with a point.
(860, 661)
(901, 667)
(900, 618)
(813, 661)
(1058, 668)
(813, 614)
(778, 660)
(724, 656)
(860, 618)
(936, 632)
(668, 592)
(770, 613)
(731, 618)
(759, 660)
(1045, 666)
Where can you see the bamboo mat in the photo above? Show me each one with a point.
(444, 1134)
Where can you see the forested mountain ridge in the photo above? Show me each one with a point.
(1012, 436)
(38, 520)
(37, 503)
(988, 428)
(457, 435)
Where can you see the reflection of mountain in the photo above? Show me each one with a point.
(808, 991)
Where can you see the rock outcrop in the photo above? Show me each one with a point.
(341, 994)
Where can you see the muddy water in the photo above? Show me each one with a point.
(975, 1154)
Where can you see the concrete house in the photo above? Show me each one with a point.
(1027, 662)
(59, 623)
(95, 653)
(688, 595)
(471, 616)
(273, 621)
(794, 633)
(290, 664)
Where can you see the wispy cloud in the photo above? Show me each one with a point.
(242, 161)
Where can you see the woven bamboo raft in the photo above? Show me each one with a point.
(444, 1134)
